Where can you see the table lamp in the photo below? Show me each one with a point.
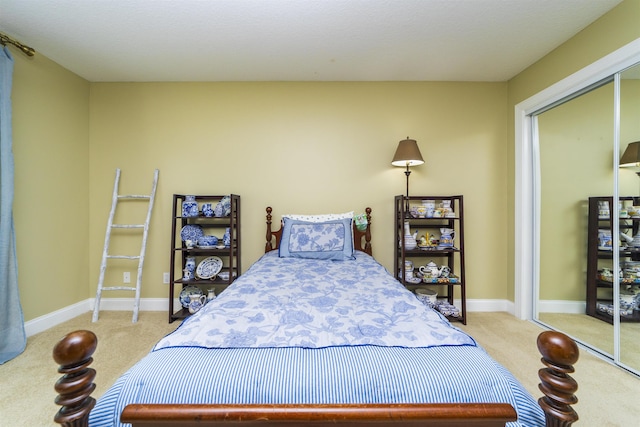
(407, 154)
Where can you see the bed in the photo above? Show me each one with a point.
(306, 338)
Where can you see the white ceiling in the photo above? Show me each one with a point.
(296, 40)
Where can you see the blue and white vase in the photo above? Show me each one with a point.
(207, 210)
(190, 264)
(226, 239)
(223, 208)
(190, 207)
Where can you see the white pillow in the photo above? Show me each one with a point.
(320, 218)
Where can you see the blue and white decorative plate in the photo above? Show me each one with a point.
(186, 291)
(209, 267)
(191, 232)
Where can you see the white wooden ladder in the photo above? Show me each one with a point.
(105, 252)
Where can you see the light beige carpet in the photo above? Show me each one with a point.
(599, 334)
(120, 344)
(608, 396)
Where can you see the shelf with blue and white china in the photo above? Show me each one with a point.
(205, 241)
(600, 244)
(434, 260)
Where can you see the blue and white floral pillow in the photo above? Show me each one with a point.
(330, 240)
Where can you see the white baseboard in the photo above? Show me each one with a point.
(126, 304)
(561, 306)
(490, 305)
(42, 323)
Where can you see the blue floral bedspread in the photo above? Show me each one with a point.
(293, 331)
(293, 302)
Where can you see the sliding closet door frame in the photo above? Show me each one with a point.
(616, 222)
(526, 237)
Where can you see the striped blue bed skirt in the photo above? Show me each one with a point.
(332, 375)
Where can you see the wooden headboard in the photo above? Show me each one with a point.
(361, 239)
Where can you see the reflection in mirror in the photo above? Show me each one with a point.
(629, 183)
(575, 161)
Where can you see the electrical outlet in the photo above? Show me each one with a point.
(126, 277)
(165, 278)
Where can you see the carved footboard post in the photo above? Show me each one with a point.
(559, 353)
(73, 353)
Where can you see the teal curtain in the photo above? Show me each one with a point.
(12, 335)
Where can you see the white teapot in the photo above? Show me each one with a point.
(431, 269)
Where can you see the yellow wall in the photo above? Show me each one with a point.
(263, 141)
(576, 155)
(302, 147)
(51, 213)
(612, 31)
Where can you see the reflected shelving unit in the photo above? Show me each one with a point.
(600, 286)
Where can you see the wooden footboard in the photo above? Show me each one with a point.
(74, 354)
(446, 415)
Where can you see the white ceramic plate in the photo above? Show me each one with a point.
(209, 267)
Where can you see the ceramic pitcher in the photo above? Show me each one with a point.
(196, 302)
(446, 237)
(409, 239)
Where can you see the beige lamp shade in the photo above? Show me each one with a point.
(407, 154)
(631, 155)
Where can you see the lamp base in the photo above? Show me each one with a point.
(407, 214)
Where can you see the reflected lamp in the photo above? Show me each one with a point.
(631, 158)
(631, 155)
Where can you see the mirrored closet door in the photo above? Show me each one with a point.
(586, 147)
(588, 224)
(575, 145)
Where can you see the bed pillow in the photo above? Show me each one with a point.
(320, 218)
(332, 240)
